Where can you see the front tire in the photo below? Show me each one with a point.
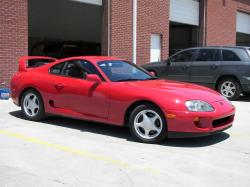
(147, 124)
(229, 88)
(32, 105)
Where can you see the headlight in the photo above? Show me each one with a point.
(198, 106)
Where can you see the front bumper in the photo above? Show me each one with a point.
(194, 124)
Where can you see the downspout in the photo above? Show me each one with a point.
(134, 30)
(109, 27)
(205, 23)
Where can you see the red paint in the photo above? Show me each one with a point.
(108, 101)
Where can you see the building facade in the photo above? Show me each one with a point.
(141, 31)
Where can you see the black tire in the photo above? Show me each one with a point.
(40, 114)
(246, 94)
(237, 85)
(163, 133)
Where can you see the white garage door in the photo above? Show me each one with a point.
(185, 11)
(243, 23)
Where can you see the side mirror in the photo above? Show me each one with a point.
(93, 78)
(152, 73)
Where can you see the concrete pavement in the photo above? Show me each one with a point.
(67, 152)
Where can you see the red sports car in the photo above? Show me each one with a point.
(114, 91)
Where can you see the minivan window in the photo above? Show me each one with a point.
(185, 56)
(229, 55)
(208, 55)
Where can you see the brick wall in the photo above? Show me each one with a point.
(121, 28)
(221, 22)
(13, 37)
(243, 5)
(153, 18)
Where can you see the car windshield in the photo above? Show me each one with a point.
(121, 71)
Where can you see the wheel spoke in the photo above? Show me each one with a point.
(146, 132)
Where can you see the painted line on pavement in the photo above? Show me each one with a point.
(82, 153)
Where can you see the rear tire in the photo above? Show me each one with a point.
(32, 105)
(230, 88)
(246, 94)
(147, 124)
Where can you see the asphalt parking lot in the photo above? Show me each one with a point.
(67, 152)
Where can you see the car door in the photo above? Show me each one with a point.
(75, 94)
(205, 67)
(179, 65)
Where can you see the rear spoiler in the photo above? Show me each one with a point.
(23, 61)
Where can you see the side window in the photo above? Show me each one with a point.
(73, 69)
(208, 55)
(90, 68)
(229, 55)
(56, 69)
(185, 56)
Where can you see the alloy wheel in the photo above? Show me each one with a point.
(148, 124)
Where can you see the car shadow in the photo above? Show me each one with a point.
(244, 99)
(123, 133)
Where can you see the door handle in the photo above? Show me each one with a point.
(214, 66)
(59, 86)
(185, 67)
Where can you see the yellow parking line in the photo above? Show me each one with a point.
(82, 153)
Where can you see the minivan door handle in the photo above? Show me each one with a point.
(185, 67)
(214, 66)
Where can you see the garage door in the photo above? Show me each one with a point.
(243, 23)
(185, 11)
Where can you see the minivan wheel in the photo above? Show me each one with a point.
(32, 105)
(229, 88)
(147, 124)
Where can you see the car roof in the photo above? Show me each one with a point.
(220, 47)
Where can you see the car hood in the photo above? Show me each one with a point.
(181, 90)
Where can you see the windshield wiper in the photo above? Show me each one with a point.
(151, 78)
(124, 80)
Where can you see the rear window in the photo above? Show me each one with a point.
(234, 55)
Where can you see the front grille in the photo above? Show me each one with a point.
(223, 121)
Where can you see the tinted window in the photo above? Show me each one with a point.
(56, 69)
(208, 55)
(73, 69)
(90, 68)
(184, 56)
(229, 55)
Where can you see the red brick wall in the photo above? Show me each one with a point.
(221, 22)
(243, 5)
(153, 18)
(13, 37)
(121, 28)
